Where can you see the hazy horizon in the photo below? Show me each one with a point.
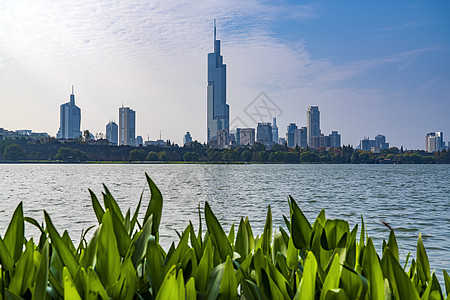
(372, 68)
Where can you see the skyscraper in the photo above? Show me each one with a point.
(264, 134)
(434, 141)
(187, 139)
(274, 130)
(335, 139)
(218, 111)
(313, 123)
(127, 126)
(300, 137)
(112, 132)
(69, 120)
(245, 136)
(290, 135)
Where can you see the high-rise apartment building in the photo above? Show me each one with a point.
(335, 139)
(264, 134)
(112, 132)
(274, 130)
(187, 139)
(300, 137)
(313, 123)
(245, 136)
(218, 111)
(434, 141)
(290, 135)
(127, 126)
(69, 120)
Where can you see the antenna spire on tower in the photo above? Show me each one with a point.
(72, 89)
(214, 29)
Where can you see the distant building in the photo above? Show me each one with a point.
(245, 136)
(127, 126)
(281, 141)
(69, 120)
(335, 139)
(218, 111)
(313, 124)
(139, 141)
(274, 130)
(222, 139)
(112, 133)
(378, 144)
(187, 139)
(290, 135)
(157, 143)
(300, 137)
(434, 141)
(264, 134)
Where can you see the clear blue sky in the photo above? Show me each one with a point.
(371, 67)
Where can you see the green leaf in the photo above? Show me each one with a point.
(155, 270)
(108, 258)
(423, 265)
(155, 206)
(372, 270)
(231, 235)
(278, 245)
(336, 294)
(392, 244)
(98, 209)
(14, 236)
(93, 286)
(292, 255)
(251, 291)
(66, 256)
(214, 282)
(447, 282)
(402, 287)
(111, 203)
(128, 281)
(5, 257)
(228, 286)
(70, 291)
(267, 234)
(136, 214)
(170, 287)
(191, 293)
(40, 288)
(35, 223)
(24, 272)
(204, 267)
(121, 233)
(140, 246)
(218, 236)
(332, 278)
(300, 227)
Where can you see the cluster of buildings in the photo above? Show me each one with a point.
(218, 132)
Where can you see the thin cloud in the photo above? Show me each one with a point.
(429, 83)
(405, 26)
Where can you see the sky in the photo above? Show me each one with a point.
(372, 67)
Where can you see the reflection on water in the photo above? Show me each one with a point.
(411, 198)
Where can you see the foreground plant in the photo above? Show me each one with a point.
(124, 260)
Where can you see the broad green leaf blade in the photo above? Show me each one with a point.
(141, 242)
(372, 271)
(24, 272)
(307, 286)
(155, 206)
(5, 257)
(292, 255)
(61, 248)
(40, 288)
(447, 282)
(191, 293)
(169, 288)
(267, 234)
(392, 244)
(14, 236)
(300, 227)
(136, 214)
(215, 281)
(332, 278)
(70, 291)
(204, 267)
(111, 203)
(108, 258)
(155, 262)
(228, 287)
(98, 209)
(241, 245)
(121, 233)
(423, 265)
(35, 223)
(218, 236)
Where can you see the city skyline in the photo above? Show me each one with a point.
(372, 68)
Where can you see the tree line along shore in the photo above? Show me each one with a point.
(24, 150)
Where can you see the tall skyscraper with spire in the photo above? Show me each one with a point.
(69, 120)
(218, 111)
(313, 124)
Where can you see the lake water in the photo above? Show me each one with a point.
(411, 198)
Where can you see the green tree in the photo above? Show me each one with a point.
(137, 155)
(309, 157)
(246, 155)
(152, 156)
(69, 154)
(86, 135)
(263, 156)
(163, 156)
(230, 155)
(191, 156)
(14, 152)
(292, 157)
